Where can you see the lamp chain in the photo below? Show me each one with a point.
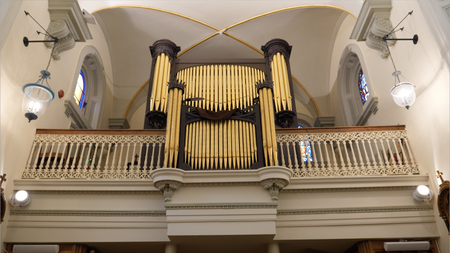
(50, 59)
(392, 59)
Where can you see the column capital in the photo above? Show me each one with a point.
(165, 46)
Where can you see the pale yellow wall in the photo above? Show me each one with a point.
(427, 121)
(137, 120)
(21, 65)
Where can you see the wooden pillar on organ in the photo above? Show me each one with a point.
(277, 53)
(164, 53)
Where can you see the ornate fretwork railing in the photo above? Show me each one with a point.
(134, 154)
(95, 154)
(346, 151)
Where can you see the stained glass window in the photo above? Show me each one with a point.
(306, 149)
(362, 85)
(80, 91)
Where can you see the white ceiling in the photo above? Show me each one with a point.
(309, 26)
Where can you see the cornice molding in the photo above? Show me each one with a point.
(95, 192)
(70, 12)
(85, 213)
(221, 206)
(356, 210)
(360, 189)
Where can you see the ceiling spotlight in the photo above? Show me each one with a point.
(423, 193)
(20, 199)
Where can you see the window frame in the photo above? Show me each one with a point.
(353, 111)
(88, 116)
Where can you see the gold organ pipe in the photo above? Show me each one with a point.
(208, 140)
(159, 77)
(166, 78)
(231, 144)
(267, 132)
(274, 68)
(155, 82)
(216, 143)
(168, 132)
(216, 88)
(177, 117)
(187, 144)
(286, 83)
(173, 133)
(203, 163)
(272, 128)
(263, 124)
(281, 84)
(221, 150)
(220, 91)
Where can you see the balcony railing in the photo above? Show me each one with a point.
(346, 151)
(95, 154)
(134, 154)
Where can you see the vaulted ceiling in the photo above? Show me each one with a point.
(218, 30)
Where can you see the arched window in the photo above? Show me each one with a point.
(80, 91)
(362, 85)
(84, 106)
(356, 102)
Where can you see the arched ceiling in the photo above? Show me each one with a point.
(221, 29)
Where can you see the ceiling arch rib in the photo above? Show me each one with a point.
(226, 32)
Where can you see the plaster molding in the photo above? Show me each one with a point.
(274, 186)
(59, 29)
(167, 187)
(221, 184)
(357, 182)
(373, 23)
(274, 179)
(221, 206)
(356, 210)
(70, 12)
(71, 111)
(31, 192)
(275, 172)
(118, 123)
(84, 185)
(360, 189)
(85, 213)
(67, 24)
(368, 110)
(171, 174)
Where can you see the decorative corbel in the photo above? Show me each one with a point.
(274, 186)
(59, 29)
(167, 187)
(373, 24)
(67, 24)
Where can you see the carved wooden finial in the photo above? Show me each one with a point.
(439, 175)
(2, 178)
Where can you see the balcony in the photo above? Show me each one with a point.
(134, 154)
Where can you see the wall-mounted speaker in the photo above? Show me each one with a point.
(36, 249)
(398, 246)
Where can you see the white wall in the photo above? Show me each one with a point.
(427, 121)
(21, 65)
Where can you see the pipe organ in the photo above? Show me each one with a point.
(220, 115)
(223, 138)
